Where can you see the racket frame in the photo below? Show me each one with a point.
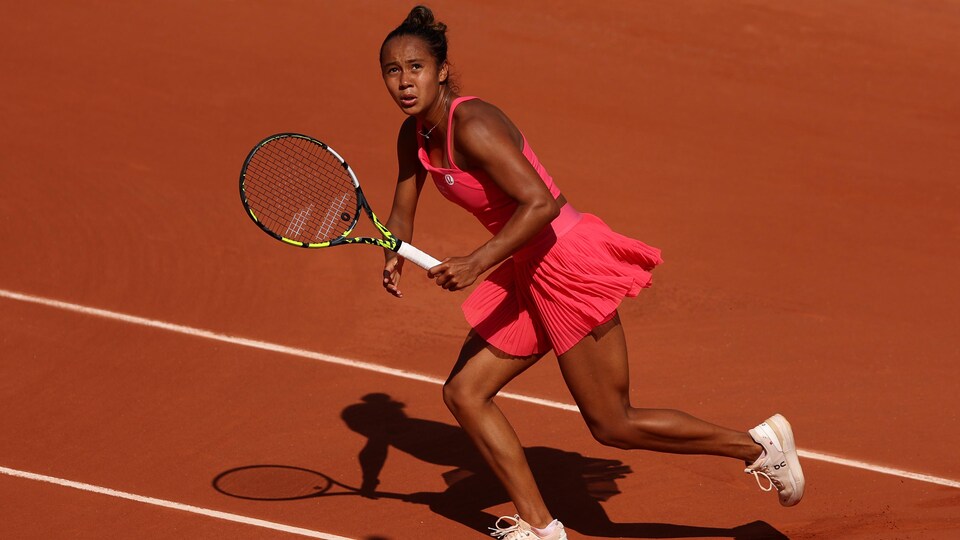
(388, 240)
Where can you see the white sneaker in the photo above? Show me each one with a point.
(521, 530)
(779, 463)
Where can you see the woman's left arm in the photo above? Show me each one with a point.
(490, 142)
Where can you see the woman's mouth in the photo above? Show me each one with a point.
(408, 101)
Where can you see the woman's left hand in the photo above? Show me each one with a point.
(456, 273)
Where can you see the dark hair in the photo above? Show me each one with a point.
(421, 23)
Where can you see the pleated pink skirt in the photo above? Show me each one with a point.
(560, 286)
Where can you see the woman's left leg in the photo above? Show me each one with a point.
(597, 372)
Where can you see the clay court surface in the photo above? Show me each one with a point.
(165, 367)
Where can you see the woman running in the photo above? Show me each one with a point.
(561, 277)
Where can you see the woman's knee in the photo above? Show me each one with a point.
(450, 397)
(460, 397)
(616, 433)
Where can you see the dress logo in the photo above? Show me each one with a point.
(449, 179)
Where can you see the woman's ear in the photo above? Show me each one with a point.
(444, 72)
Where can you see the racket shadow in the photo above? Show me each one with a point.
(574, 486)
(272, 482)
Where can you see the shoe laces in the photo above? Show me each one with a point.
(771, 482)
(511, 532)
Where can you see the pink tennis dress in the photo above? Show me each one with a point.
(561, 284)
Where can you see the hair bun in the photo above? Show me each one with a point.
(422, 17)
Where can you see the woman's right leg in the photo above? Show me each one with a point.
(481, 371)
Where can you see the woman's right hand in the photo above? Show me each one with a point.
(392, 270)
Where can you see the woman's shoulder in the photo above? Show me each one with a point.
(477, 114)
(409, 126)
(407, 134)
(407, 143)
(470, 107)
(483, 119)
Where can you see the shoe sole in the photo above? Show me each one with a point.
(781, 428)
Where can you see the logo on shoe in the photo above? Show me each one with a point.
(781, 465)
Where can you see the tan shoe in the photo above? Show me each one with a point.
(521, 530)
(779, 463)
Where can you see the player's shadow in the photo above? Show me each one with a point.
(573, 485)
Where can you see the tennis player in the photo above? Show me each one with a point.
(561, 277)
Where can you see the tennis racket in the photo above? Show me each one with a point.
(301, 192)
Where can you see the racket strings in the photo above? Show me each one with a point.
(299, 190)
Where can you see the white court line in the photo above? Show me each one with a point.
(368, 366)
(172, 505)
(257, 344)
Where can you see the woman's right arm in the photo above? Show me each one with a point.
(410, 179)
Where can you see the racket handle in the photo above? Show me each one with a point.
(417, 257)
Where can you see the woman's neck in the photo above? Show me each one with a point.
(434, 122)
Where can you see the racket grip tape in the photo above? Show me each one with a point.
(414, 255)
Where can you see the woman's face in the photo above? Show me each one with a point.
(411, 75)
